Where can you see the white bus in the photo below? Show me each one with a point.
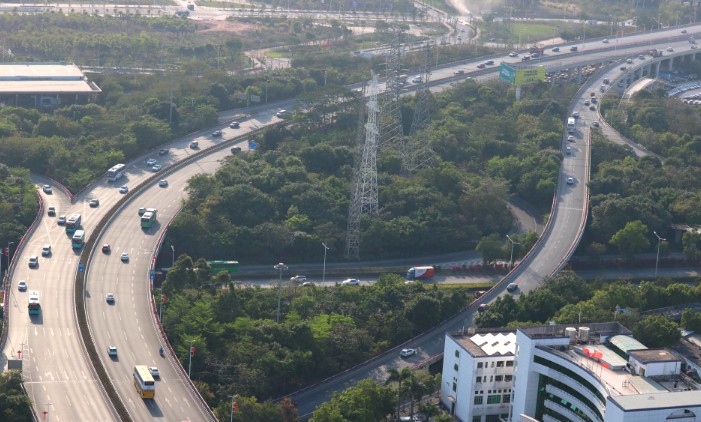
(116, 172)
(570, 124)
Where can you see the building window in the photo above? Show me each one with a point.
(494, 399)
(498, 378)
(455, 386)
(478, 379)
(479, 399)
(492, 418)
(492, 364)
(509, 363)
(457, 353)
(479, 365)
(508, 378)
(455, 367)
(477, 419)
(500, 364)
(506, 398)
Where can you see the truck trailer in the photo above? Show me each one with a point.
(420, 273)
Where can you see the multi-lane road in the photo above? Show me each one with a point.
(58, 374)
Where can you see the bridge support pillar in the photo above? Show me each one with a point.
(657, 69)
(579, 75)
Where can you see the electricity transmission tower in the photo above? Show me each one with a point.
(390, 121)
(417, 152)
(364, 198)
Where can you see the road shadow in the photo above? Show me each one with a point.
(153, 408)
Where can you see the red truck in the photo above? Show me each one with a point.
(420, 273)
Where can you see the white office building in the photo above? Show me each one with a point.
(587, 373)
(478, 368)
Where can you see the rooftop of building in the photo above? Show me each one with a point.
(629, 391)
(653, 355)
(600, 330)
(39, 77)
(487, 342)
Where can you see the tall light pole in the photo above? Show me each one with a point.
(280, 267)
(323, 274)
(189, 365)
(8, 260)
(231, 419)
(511, 261)
(659, 241)
(172, 261)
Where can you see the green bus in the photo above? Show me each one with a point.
(149, 218)
(217, 267)
(78, 239)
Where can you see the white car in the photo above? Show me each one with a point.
(570, 180)
(605, 41)
(298, 278)
(47, 189)
(151, 161)
(123, 189)
(33, 261)
(22, 286)
(154, 372)
(124, 257)
(350, 282)
(217, 133)
(405, 353)
(109, 297)
(570, 138)
(670, 49)
(156, 168)
(112, 351)
(513, 54)
(163, 183)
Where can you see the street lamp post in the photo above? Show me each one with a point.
(659, 241)
(8, 261)
(189, 365)
(172, 261)
(231, 419)
(511, 260)
(280, 267)
(323, 276)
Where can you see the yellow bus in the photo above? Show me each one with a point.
(144, 382)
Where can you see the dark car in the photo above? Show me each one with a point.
(164, 151)
(106, 248)
(481, 66)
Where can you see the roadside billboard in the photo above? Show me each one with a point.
(521, 76)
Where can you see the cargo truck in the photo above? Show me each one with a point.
(420, 273)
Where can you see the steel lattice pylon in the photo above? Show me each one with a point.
(390, 120)
(364, 198)
(418, 152)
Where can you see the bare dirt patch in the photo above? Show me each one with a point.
(213, 26)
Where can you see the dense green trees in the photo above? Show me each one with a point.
(242, 350)
(15, 405)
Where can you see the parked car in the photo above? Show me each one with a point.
(163, 151)
(151, 161)
(234, 125)
(156, 168)
(405, 353)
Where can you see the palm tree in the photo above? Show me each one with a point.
(398, 376)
